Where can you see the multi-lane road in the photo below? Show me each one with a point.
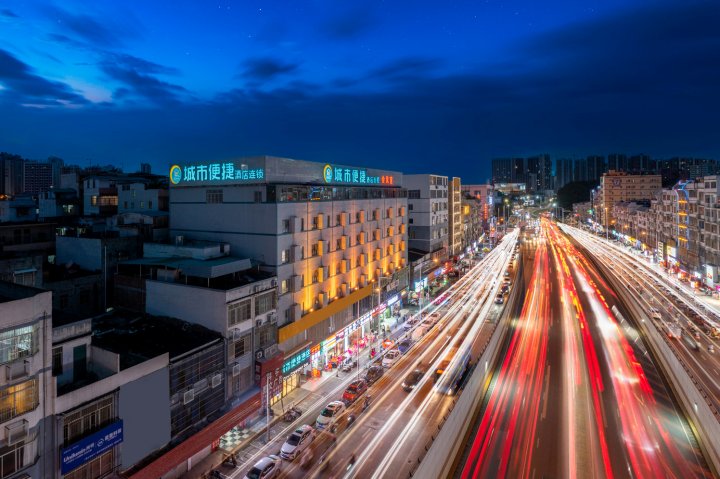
(573, 396)
(575, 393)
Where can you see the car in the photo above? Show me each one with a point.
(711, 348)
(354, 390)
(373, 374)
(507, 274)
(329, 414)
(404, 345)
(349, 364)
(266, 468)
(655, 314)
(297, 442)
(499, 299)
(505, 288)
(390, 358)
(410, 323)
(412, 379)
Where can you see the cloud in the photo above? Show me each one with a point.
(8, 13)
(264, 69)
(23, 85)
(406, 67)
(80, 29)
(350, 25)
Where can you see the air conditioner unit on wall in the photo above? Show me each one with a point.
(216, 380)
(236, 370)
(188, 396)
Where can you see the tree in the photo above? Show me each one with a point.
(574, 192)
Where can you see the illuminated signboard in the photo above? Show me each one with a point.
(295, 361)
(90, 447)
(214, 172)
(356, 176)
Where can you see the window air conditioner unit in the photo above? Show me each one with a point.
(258, 323)
(236, 370)
(216, 380)
(273, 283)
(16, 432)
(272, 317)
(188, 396)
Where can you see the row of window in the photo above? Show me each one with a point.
(341, 219)
(18, 343)
(341, 244)
(18, 399)
(240, 311)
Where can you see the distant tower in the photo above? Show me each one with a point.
(145, 168)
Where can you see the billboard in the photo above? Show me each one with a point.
(90, 447)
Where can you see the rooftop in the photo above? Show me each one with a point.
(13, 292)
(137, 337)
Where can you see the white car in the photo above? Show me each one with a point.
(390, 358)
(329, 415)
(297, 442)
(499, 299)
(266, 468)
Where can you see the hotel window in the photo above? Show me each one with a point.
(213, 196)
(284, 286)
(18, 399)
(57, 365)
(285, 256)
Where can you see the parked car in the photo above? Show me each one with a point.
(297, 442)
(329, 414)
(349, 364)
(354, 390)
(373, 374)
(410, 323)
(266, 468)
(404, 345)
(505, 288)
(412, 380)
(499, 299)
(391, 358)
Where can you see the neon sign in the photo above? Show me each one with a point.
(358, 176)
(214, 172)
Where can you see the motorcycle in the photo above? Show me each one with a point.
(366, 403)
(348, 365)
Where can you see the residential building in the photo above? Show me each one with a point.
(331, 234)
(455, 220)
(484, 194)
(595, 167)
(580, 170)
(616, 187)
(12, 170)
(429, 215)
(58, 204)
(563, 172)
(18, 239)
(17, 208)
(38, 176)
(25, 385)
(509, 170)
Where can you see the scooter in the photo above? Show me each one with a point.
(292, 414)
(366, 403)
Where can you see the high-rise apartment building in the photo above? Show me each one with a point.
(595, 167)
(38, 177)
(12, 170)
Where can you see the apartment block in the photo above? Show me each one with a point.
(616, 187)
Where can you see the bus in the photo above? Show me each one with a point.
(452, 371)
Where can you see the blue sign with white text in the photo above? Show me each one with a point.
(88, 448)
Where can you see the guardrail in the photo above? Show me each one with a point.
(445, 444)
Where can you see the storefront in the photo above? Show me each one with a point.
(292, 369)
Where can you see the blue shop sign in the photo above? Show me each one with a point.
(214, 173)
(90, 447)
(356, 176)
(296, 361)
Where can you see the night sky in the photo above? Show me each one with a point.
(417, 86)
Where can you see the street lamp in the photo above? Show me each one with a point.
(607, 231)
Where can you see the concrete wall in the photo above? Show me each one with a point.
(145, 411)
(190, 303)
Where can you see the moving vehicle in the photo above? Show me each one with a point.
(266, 468)
(452, 370)
(297, 442)
(412, 380)
(373, 374)
(354, 390)
(419, 332)
(691, 343)
(390, 358)
(655, 314)
(329, 414)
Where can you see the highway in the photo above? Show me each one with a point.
(658, 292)
(576, 395)
(388, 439)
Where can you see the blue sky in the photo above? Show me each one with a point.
(422, 86)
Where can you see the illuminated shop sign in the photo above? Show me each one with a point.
(357, 176)
(295, 361)
(214, 172)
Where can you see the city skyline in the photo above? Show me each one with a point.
(430, 89)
